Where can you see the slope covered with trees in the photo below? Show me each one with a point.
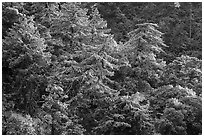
(101, 68)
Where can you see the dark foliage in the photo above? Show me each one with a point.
(64, 72)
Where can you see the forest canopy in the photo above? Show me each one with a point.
(101, 68)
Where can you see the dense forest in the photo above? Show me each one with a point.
(101, 68)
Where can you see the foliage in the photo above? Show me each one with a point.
(141, 49)
(181, 25)
(184, 71)
(24, 62)
(66, 73)
(91, 71)
(17, 124)
(10, 15)
(174, 108)
(127, 115)
(61, 119)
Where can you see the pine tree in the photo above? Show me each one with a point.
(144, 42)
(98, 64)
(142, 48)
(97, 47)
(184, 71)
(24, 54)
(84, 72)
(65, 26)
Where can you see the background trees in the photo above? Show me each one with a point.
(65, 72)
(181, 25)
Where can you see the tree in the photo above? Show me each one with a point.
(172, 20)
(184, 71)
(25, 57)
(90, 72)
(177, 110)
(64, 73)
(141, 49)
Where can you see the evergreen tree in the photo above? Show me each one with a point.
(141, 49)
(91, 71)
(184, 71)
(64, 73)
(25, 57)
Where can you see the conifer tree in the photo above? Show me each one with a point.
(64, 73)
(89, 65)
(65, 26)
(97, 47)
(142, 48)
(24, 54)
